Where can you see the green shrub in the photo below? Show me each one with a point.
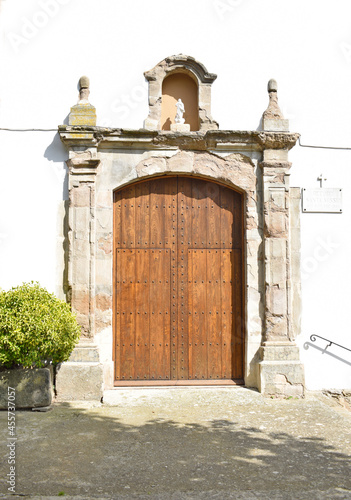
(36, 328)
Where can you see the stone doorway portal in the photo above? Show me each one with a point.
(253, 166)
(178, 281)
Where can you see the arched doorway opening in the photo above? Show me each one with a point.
(178, 282)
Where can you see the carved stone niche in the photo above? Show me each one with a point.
(177, 67)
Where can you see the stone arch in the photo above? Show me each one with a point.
(189, 66)
(238, 172)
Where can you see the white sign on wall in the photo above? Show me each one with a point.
(322, 200)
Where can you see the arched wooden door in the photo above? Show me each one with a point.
(178, 312)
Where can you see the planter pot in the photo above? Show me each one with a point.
(33, 388)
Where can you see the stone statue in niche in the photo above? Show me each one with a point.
(180, 111)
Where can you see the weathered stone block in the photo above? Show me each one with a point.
(81, 271)
(33, 388)
(81, 249)
(180, 127)
(275, 124)
(104, 218)
(83, 353)
(279, 352)
(103, 302)
(276, 300)
(103, 319)
(104, 243)
(80, 301)
(276, 224)
(103, 270)
(151, 166)
(275, 155)
(277, 248)
(82, 114)
(277, 198)
(281, 378)
(277, 271)
(276, 327)
(181, 162)
(81, 220)
(149, 123)
(80, 196)
(79, 382)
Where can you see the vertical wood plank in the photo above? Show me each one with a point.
(169, 206)
(199, 315)
(174, 300)
(226, 312)
(157, 222)
(117, 314)
(118, 214)
(117, 233)
(165, 312)
(142, 215)
(227, 217)
(142, 315)
(127, 313)
(237, 220)
(184, 236)
(213, 218)
(214, 335)
(238, 337)
(128, 226)
(199, 216)
(191, 339)
(159, 320)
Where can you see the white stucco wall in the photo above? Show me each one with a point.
(306, 46)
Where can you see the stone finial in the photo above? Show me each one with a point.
(83, 113)
(272, 85)
(272, 118)
(84, 91)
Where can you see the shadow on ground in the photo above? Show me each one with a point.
(93, 453)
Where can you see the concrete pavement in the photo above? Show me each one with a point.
(182, 443)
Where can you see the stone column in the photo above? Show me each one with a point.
(280, 371)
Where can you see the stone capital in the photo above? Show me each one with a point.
(83, 162)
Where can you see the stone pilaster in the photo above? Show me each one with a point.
(82, 376)
(281, 373)
(82, 234)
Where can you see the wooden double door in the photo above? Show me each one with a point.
(178, 301)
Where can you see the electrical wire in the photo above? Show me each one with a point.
(321, 147)
(29, 129)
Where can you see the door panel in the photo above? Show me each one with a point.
(178, 281)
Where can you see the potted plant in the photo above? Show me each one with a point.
(37, 331)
